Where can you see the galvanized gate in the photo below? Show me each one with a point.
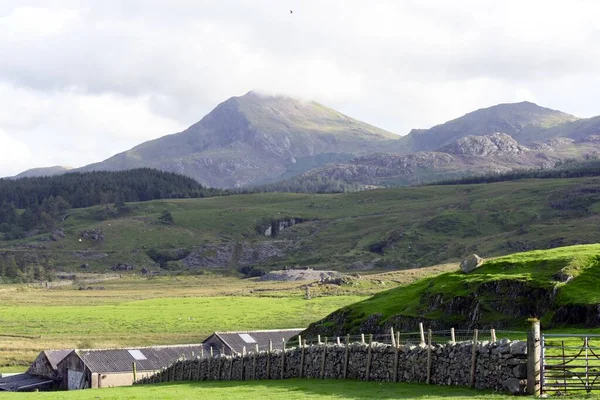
(569, 363)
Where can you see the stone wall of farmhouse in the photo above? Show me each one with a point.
(501, 365)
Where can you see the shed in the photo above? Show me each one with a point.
(82, 369)
(25, 383)
(234, 342)
(46, 363)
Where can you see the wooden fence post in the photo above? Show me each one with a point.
(302, 359)
(220, 368)
(493, 335)
(347, 356)
(534, 353)
(422, 334)
(134, 372)
(323, 359)
(396, 356)
(362, 338)
(393, 337)
(210, 361)
(269, 359)
(242, 373)
(452, 336)
(369, 357)
(254, 362)
(338, 341)
(319, 339)
(429, 356)
(474, 357)
(231, 365)
(283, 359)
(199, 361)
(301, 356)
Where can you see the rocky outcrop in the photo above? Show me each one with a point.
(278, 225)
(497, 144)
(514, 301)
(235, 254)
(470, 263)
(301, 275)
(93, 235)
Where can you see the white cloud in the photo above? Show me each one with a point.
(14, 155)
(82, 79)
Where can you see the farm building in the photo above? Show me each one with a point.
(82, 369)
(25, 383)
(41, 375)
(234, 342)
(46, 363)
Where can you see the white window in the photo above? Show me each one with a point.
(247, 338)
(138, 355)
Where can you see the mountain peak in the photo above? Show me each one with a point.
(254, 138)
(510, 118)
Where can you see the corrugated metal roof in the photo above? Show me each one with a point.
(236, 341)
(56, 356)
(14, 383)
(121, 360)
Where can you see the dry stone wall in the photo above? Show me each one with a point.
(501, 365)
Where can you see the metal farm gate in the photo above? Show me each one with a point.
(569, 363)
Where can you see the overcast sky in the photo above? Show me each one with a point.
(83, 80)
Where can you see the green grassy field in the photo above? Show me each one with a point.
(387, 229)
(273, 390)
(137, 312)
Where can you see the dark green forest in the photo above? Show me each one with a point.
(30, 204)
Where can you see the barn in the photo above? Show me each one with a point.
(82, 369)
(41, 375)
(46, 363)
(235, 342)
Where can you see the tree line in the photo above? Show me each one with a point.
(29, 204)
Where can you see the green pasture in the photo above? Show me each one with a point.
(141, 312)
(273, 390)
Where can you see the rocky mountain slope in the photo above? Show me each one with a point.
(515, 119)
(250, 139)
(468, 155)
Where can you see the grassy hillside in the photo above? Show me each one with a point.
(559, 286)
(379, 229)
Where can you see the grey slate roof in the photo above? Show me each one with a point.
(56, 356)
(121, 360)
(236, 340)
(15, 383)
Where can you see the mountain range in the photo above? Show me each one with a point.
(256, 139)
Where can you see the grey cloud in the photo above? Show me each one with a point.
(396, 64)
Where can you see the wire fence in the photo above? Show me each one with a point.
(404, 338)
